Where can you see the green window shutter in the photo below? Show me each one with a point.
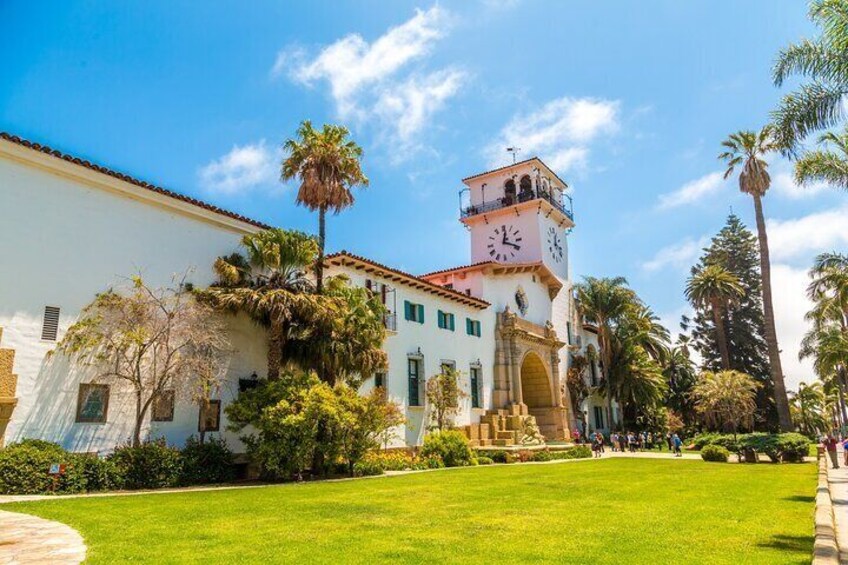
(440, 318)
(452, 322)
(407, 309)
(468, 328)
(420, 313)
(479, 329)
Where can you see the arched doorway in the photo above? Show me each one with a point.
(535, 384)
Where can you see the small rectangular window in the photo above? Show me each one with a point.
(163, 407)
(414, 373)
(446, 321)
(475, 387)
(472, 327)
(92, 403)
(380, 380)
(210, 417)
(599, 417)
(50, 325)
(594, 373)
(413, 312)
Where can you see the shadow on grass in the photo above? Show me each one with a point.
(807, 499)
(795, 544)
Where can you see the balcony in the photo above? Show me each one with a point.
(390, 321)
(563, 204)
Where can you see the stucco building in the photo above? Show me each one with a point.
(70, 229)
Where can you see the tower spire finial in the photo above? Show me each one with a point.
(514, 150)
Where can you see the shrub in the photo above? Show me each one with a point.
(25, 466)
(151, 465)
(98, 474)
(452, 446)
(208, 462)
(793, 447)
(483, 460)
(715, 453)
(378, 462)
(501, 456)
(576, 452)
(368, 466)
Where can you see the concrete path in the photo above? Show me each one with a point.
(838, 484)
(27, 539)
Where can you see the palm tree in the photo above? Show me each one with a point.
(716, 288)
(270, 285)
(680, 375)
(726, 399)
(825, 165)
(328, 166)
(604, 301)
(748, 149)
(818, 104)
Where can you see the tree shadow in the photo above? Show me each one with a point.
(807, 499)
(797, 544)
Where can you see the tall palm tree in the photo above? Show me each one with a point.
(328, 166)
(270, 285)
(604, 301)
(726, 399)
(748, 149)
(817, 104)
(829, 165)
(809, 409)
(716, 288)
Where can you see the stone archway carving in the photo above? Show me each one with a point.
(521, 345)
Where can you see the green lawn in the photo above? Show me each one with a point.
(608, 511)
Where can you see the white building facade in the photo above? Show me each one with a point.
(71, 229)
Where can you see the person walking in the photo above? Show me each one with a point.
(830, 444)
(845, 451)
(668, 440)
(678, 445)
(597, 444)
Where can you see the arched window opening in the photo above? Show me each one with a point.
(509, 191)
(526, 187)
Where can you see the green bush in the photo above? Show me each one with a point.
(25, 469)
(151, 465)
(452, 446)
(205, 463)
(715, 453)
(793, 447)
(368, 467)
(98, 474)
(501, 456)
(483, 460)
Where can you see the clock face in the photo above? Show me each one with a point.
(555, 245)
(504, 242)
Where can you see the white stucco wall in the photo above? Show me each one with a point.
(62, 240)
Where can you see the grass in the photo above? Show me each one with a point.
(608, 511)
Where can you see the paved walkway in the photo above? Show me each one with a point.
(27, 539)
(838, 484)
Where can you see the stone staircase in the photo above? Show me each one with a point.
(8, 385)
(504, 427)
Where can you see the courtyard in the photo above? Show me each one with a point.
(604, 511)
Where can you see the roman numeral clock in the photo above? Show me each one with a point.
(504, 242)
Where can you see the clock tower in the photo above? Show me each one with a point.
(519, 214)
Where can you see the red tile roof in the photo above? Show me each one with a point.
(519, 163)
(126, 178)
(343, 257)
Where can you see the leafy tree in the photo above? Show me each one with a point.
(734, 248)
(575, 381)
(680, 377)
(818, 103)
(829, 165)
(444, 394)
(152, 339)
(327, 165)
(726, 399)
(808, 405)
(748, 149)
(715, 288)
(270, 285)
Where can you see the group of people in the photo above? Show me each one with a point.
(830, 443)
(633, 442)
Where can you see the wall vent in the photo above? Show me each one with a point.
(50, 328)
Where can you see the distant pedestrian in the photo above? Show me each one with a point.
(845, 451)
(597, 444)
(668, 440)
(678, 445)
(575, 435)
(830, 445)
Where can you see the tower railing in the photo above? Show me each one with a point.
(564, 203)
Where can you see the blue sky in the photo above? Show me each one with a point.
(628, 101)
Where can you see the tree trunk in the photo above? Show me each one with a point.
(780, 399)
(840, 387)
(275, 350)
(721, 337)
(139, 420)
(319, 266)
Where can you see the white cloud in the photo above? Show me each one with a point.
(790, 304)
(560, 132)
(816, 233)
(376, 82)
(692, 191)
(783, 183)
(682, 254)
(243, 168)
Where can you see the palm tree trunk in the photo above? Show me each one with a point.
(721, 337)
(781, 401)
(276, 335)
(319, 266)
(840, 387)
